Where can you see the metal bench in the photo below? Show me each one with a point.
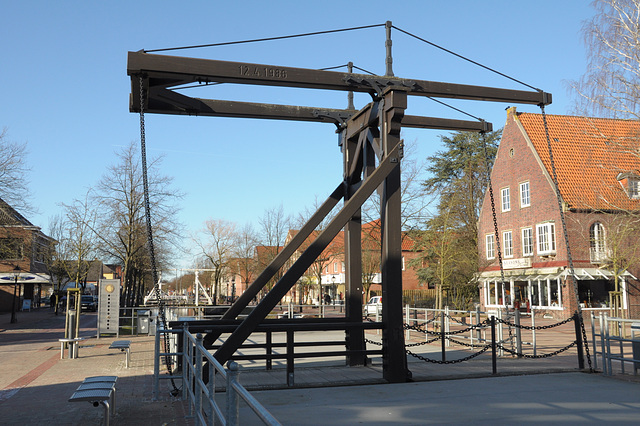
(73, 346)
(96, 397)
(124, 346)
(102, 382)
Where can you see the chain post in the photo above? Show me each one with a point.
(579, 341)
(494, 363)
(442, 338)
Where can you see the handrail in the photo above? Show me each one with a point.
(200, 396)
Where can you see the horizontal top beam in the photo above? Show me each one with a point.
(171, 71)
(164, 101)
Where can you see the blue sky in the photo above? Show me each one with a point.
(64, 87)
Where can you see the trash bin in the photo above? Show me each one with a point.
(143, 322)
(153, 322)
(72, 315)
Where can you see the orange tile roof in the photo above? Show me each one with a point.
(589, 154)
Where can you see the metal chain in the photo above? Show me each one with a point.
(154, 271)
(457, 342)
(493, 206)
(537, 327)
(483, 324)
(549, 355)
(455, 361)
(426, 342)
(566, 235)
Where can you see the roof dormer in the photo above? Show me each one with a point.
(630, 182)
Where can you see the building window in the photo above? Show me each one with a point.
(546, 234)
(634, 188)
(525, 197)
(343, 268)
(490, 246)
(403, 263)
(527, 242)
(11, 249)
(507, 238)
(335, 267)
(597, 244)
(506, 201)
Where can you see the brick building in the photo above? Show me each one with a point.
(597, 162)
(23, 246)
(332, 266)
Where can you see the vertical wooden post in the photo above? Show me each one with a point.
(353, 259)
(394, 362)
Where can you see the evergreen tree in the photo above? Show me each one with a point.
(449, 258)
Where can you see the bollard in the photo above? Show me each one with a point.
(494, 363)
(576, 320)
(442, 338)
(516, 320)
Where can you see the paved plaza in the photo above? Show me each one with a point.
(35, 385)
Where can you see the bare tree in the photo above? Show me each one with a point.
(78, 243)
(216, 242)
(121, 223)
(332, 251)
(244, 263)
(611, 85)
(14, 188)
(274, 226)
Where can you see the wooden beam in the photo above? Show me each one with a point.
(171, 71)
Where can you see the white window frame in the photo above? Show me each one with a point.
(490, 246)
(546, 238)
(507, 241)
(527, 242)
(634, 188)
(525, 194)
(505, 199)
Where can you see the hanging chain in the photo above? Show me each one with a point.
(493, 206)
(154, 271)
(566, 238)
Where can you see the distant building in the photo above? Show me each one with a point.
(332, 267)
(597, 162)
(24, 246)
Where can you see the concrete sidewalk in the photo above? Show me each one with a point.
(35, 385)
(563, 398)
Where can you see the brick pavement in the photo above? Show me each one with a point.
(35, 383)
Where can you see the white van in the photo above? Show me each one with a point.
(373, 306)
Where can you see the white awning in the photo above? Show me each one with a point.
(552, 273)
(7, 278)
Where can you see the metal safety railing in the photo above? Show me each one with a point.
(198, 376)
(614, 340)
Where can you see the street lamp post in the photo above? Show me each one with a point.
(16, 272)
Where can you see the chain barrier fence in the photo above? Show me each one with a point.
(499, 341)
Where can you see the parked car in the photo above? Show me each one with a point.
(88, 303)
(373, 306)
